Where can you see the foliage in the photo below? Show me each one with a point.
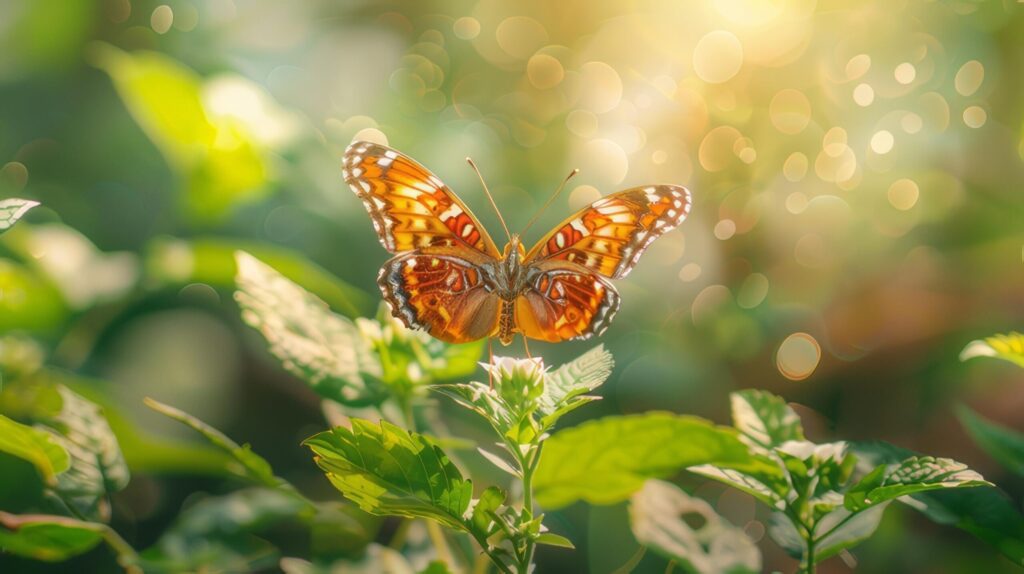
(1009, 347)
(11, 210)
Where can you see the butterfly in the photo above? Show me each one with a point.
(449, 278)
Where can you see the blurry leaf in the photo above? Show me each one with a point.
(36, 446)
(212, 261)
(984, 512)
(606, 460)
(389, 471)
(249, 464)
(784, 533)
(216, 157)
(1001, 443)
(550, 539)
(658, 515)
(84, 274)
(323, 349)
(377, 560)
(1009, 347)
(770, 488)
(47, 538)
(765, 418)
(242, 511)
(436, 567)
(97, 467)
(915, 474)
(11, 211)
(842, 529)
(30, 301)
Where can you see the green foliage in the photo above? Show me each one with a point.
(1008, 347)
(606, 460)
(1001, 443)
(11, 211)
(48, 538)
(822, 505)
(216, 157)
(36, 446)
(246, 464)
(658, 515)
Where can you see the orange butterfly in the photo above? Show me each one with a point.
(449, 279)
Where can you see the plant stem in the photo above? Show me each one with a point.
(528, 464)
(808, 565)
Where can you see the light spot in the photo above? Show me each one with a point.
(372, 135)
(689, 272)
(911, 123)
(718, 57)
(969, 78)
(544, 71)
(790, 111)
(796, 202)
(600, 87)
(905, 73)
(466, 28)
(659, 157)
(753, 291)
(903, 194)
(15, 174)
(863, 94)
(521, 36)
(725, 229)
(795, 167)
(161, 19)
(582, 123)
(798, 356)
(858, 66)
(582, 196)
(975, 116)
(716, 149)
(834, 142)
(882, 142)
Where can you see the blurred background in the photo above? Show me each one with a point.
(856, 169)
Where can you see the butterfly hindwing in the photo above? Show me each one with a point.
(441, 290)
(565, 302)
(608, 236)
(409, 206)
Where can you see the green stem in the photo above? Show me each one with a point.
(807, 565)
(528, 464)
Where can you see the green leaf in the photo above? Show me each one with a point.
(389, 471)
(606, 460)
(248, 464)
(1009, 347)
(915, 474)
(36, 446)
(485, 510)
(842, 529)
(325, 350)
(765, 418)
(1001, 443)
(658, 516)
(986, 513)
(564, 388)
(217, 158)
(769, 487)
(819, 472)
(549, 539)
(48, 538)
(375, 560)
(11, 211)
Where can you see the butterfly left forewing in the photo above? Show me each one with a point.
(409, 206)
(609, 236)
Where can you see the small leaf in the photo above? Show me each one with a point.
(11, 210)
(498, 462)
(48, 538)
(915, 474)
(1008, 347)
(842, 529)
(606, 460)
(320, 347)
(485, 510)
(389, 471)
(249, 464)
(765, 418)
(550, 539)
(36, 446)
(581, 375)
(770, 487)
(657, 516)
(782, 530)
(1001, 443)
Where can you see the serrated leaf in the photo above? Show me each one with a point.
(915, 474)
(48, 538)
(1001, 443)
(986, 513)
(36, 446)
(765, 418)
(770, 488)
(1008, 347)
(387, 470)
(485, 510)
(11, 210)
(657, 515)
(324, 349)
(581, 375)
(249, 465)
(606, 460)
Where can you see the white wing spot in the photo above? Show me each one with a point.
(385, 162)
(467, 230)
(560, 240)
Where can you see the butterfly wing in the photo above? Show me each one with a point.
(609, 236)
(409, 206)
(564, 301)
(441, 290)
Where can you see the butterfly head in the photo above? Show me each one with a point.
(514, 252)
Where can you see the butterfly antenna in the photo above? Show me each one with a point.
(550, 199)
(489, 197)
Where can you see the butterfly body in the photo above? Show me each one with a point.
(449, 278)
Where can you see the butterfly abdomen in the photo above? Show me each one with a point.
(506, 321)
